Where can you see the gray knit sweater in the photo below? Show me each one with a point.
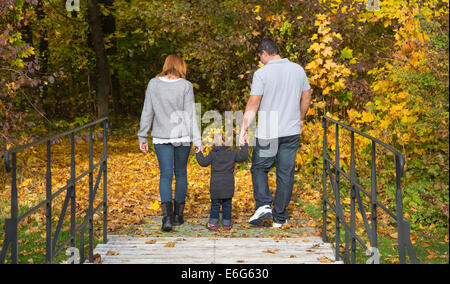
(170, 106)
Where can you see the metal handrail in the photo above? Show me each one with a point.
(403, 225)
(11, 224)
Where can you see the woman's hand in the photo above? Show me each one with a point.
(199, 149)
(143, 147)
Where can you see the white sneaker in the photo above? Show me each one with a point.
(279, 225)
(261, 214)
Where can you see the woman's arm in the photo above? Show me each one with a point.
(146, 117)
(189, 108)
(203, 161)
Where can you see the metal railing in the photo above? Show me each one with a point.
(403, 226)
(12, 224)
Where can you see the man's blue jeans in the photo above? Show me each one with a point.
(283, 150)
(172, 159)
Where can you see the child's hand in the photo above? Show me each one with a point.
(199, 149)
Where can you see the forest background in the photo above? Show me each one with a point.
(379, 66)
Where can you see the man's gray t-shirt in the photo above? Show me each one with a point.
(280, 83)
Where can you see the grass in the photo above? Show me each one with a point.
(32, 239)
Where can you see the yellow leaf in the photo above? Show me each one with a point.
(325, 260)
(154, 205)
(169, 245)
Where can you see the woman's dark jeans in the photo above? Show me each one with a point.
(283, 150)
(172, 159)
(215, 211)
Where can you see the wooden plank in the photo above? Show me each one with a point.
(215, 250)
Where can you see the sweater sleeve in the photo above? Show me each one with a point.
(146, 117)
(189, 107)
(202, 160)
(242, 155)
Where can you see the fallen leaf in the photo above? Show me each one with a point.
(111, 252)
(325, 260)
(150, 241)
(169, 245)
(97, 259)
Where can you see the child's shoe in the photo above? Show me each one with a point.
(226, 227)
(226, 224)
(211, 227)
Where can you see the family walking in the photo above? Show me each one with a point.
(280, 95)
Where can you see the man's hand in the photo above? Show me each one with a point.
(199, 149)
(143, 147)
(249, 114)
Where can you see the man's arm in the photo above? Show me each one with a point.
(304, 104)
(249, 115)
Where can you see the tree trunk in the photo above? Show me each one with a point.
(109, 27)
(103, 75)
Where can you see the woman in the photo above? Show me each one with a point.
(169, 105)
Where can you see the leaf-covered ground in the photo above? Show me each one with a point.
(133, 180)
(133, 187)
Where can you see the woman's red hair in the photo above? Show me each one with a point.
(174, 65)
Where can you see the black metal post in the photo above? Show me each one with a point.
(105, 186)
(91, 197)
(353, 199)
(399, 207)
(48, 210)
(324, 182)
(338, 207)
(72, 193)
(373, 199)
(14, 212)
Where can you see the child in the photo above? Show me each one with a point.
(222, 161)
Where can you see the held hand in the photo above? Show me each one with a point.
(199, 149)
(243, 138)
(143, 147)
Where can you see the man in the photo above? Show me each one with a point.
(281, 95)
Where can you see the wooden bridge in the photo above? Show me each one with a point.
(193, 250)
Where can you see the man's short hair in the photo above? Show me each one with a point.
(268, 45)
